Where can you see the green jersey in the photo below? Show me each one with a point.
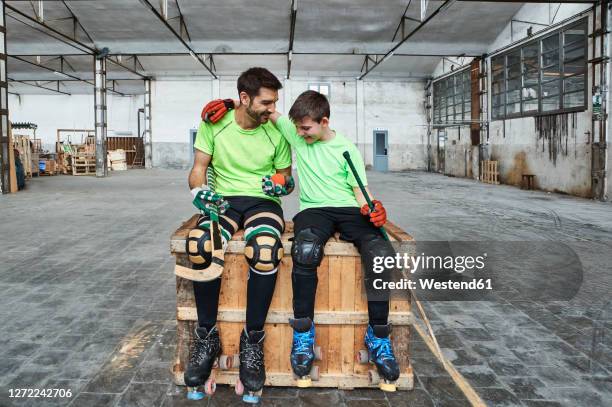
(325, 178)
(242, 157)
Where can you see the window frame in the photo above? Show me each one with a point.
(452, 89)
(561, 49)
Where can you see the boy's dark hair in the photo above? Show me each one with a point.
(251, 80)
(310, 104)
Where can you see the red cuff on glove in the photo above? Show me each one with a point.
(378, 216)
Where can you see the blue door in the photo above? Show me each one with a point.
(381, 161)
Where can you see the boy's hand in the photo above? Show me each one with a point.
(378, 216)
(215, 110)
(204, 199)
(277, 185)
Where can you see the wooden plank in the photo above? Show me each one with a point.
(322, 303)
(334, 348)
(330, 317)
(341, 381)
(347, 278)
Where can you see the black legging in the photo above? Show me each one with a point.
(260, 289)
(244, 212)
(355, 228)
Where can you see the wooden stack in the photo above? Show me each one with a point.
(48, 166)
(340, 314)
(22, 144)
(117, 160)
(83, 164)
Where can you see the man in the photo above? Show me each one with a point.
(243, 147)
(330, 200)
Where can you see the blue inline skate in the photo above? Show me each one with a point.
(304, 352)
(380, 352)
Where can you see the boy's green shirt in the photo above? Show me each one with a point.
(242, 157)
(325, 178)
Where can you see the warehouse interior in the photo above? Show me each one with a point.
(482, 121)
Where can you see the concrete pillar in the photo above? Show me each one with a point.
(100, 116)
(608, 106)
(360, 119)
(4, 142)
(148, 145)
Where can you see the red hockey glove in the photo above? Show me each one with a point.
(378, 216)
(215, 110)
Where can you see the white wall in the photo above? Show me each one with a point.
(52, 112)
(396, 106)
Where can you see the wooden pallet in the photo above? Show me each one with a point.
(83, 165)
(488, 172)
(340, 314)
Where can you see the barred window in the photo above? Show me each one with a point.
(547, 75)
(452, 99)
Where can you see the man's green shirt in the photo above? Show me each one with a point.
(325, 178)
(242, 157)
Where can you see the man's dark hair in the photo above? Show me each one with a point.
(310, 104)
(251, 80)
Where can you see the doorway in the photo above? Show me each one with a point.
(381, 146)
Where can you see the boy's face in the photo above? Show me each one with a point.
(310, 130)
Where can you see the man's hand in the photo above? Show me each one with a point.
(277, 185)
(204, 199)
(378, 216)
(215, 110)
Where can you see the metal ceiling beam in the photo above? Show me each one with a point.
(76, 23)
(291, 36)
(64, 38)
(59, 73)
(178, 36)
(390, 53)
(127, 68)
(402, 22)
(182, 23)
(536, 1)
(73, 80)
(39, 86)
(171, 54)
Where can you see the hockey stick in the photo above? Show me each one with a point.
(347, 156)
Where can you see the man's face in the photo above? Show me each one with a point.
(309, 130)
(263, 105)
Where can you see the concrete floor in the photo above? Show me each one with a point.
(87, 295)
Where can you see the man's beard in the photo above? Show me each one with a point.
(259, 117)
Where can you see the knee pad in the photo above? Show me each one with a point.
(264, 252)
(307, 250)
(199, 248)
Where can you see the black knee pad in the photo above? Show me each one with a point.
(307, 250)
(264, 252)
(199, 248)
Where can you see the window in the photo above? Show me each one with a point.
(542, 76)
(322, 88)
(452, 99)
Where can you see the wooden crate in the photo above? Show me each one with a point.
(340, 315)
(488, 172)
